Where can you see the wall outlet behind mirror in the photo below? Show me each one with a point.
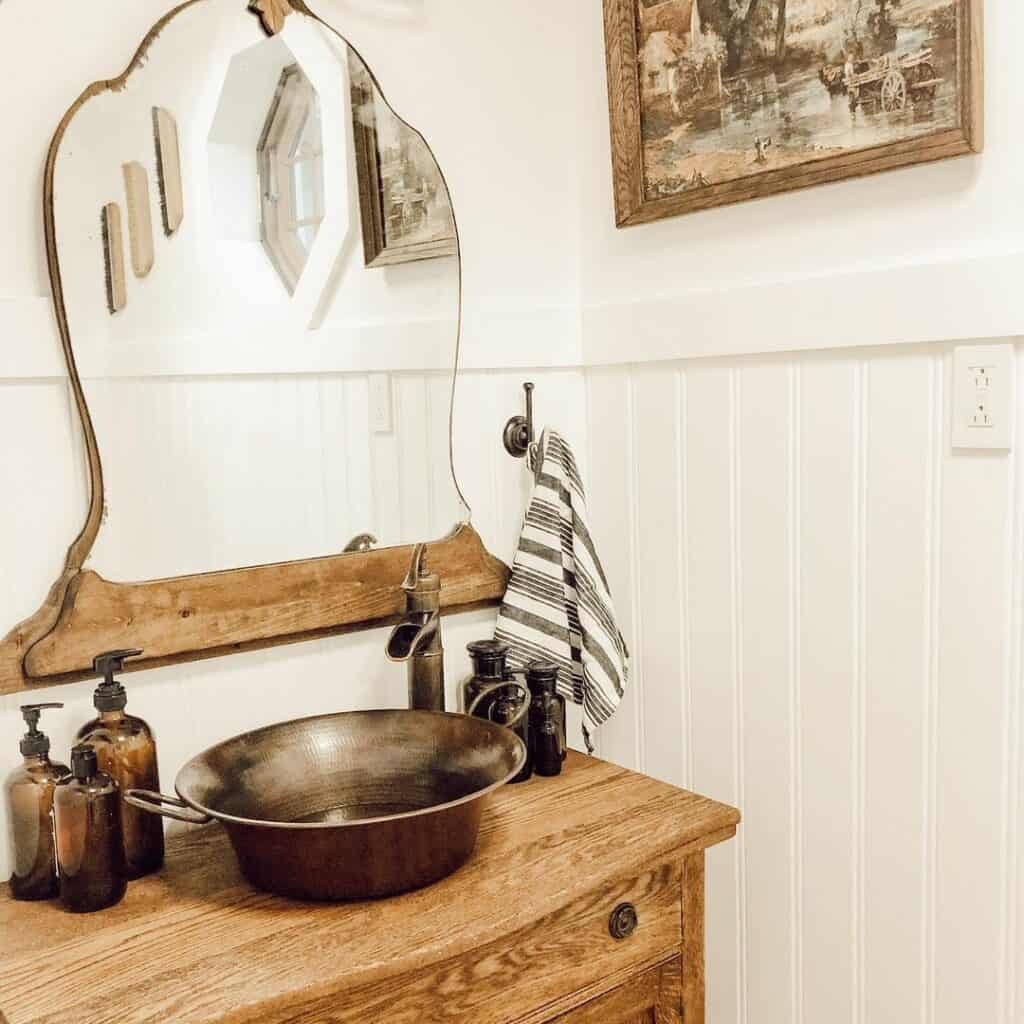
(381, 419)
(983, 396)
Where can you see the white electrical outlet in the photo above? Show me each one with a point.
(380, 402)
(983, 389)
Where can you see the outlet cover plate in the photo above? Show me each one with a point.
(983, 396)
(381, 418)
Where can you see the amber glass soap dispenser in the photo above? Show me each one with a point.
(126, 751)
(90, 843)
(28, 793)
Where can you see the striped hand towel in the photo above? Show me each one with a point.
(558, 607)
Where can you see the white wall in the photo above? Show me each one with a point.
(823, 599)
(825, 603)
(930, 253)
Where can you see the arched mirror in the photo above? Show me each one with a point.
(256, 273)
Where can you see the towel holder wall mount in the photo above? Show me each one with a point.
(518, 434)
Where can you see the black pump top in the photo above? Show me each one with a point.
(110, 694)
(489, 658)
(84, 764)
(34, 742)
(542, 677)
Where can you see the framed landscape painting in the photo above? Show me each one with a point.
(717, 101)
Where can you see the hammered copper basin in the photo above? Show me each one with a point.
(347, 806)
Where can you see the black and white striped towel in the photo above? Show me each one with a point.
(558, 607)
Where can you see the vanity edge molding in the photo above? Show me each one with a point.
(189, 618)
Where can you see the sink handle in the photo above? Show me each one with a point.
(165, 806)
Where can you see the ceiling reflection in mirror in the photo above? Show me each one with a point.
(262, 286)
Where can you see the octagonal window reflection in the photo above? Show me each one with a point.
(291, 172)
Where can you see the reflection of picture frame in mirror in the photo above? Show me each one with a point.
(403, 200)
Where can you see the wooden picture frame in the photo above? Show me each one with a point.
(638, 201)
(187, 618)
(377, 214)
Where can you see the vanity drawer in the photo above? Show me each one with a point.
(651, 997)
(533, 972)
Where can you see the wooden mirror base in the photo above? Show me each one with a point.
(188, 618)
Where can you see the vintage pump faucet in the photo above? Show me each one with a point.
(417, 639)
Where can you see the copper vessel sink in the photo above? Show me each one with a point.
(347, 806)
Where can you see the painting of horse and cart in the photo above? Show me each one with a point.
(716, 101)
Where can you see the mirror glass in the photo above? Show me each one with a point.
(262, 286)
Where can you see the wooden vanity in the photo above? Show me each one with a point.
(522, 933)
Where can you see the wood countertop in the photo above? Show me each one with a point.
(195, 943)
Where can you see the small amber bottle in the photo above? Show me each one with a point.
(28, 793)
(511, 709)
(489, 659)
(547, 718)
(90, 843)
(126, 750)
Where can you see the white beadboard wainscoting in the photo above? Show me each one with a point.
(205, 473)
(824, 607)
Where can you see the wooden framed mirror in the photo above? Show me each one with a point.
(211, 218)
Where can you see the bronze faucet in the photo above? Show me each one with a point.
(416, 640)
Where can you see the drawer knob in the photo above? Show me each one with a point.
(623, 921)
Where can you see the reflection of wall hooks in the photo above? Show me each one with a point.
(518, 435)
(113, 256)
(361, 542)
(168, 169)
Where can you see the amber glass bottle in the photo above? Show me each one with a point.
(489, 659)
(511, 709)
(547, 718)
(90, 843)
(126, 750)
(28, 793)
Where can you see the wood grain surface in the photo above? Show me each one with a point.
(650, 997)
(221, 613)
(271, 13)
(693, 937)
(555, 954)
(140, 219)
(511, 935)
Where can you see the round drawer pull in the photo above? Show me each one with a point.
(623, 921)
